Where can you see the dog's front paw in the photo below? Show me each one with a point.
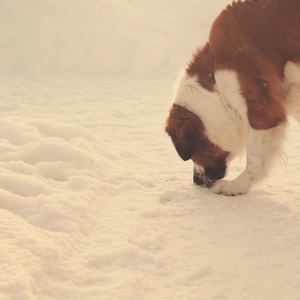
(229, 188)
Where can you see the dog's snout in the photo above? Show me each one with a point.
(202, 180)
(215, 173)
(197, 179)
(207, 176)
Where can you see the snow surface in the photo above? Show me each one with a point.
(94, 201)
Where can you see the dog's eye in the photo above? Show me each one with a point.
(211, 77)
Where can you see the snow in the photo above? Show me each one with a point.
(94, 201)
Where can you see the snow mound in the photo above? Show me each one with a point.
(46, 164)
(96, 204)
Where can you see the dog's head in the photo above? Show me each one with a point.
(202, 126)
(191, 142)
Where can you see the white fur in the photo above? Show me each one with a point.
(292, 72)
(292, 100)
(263, 146)
(224, 115)
(218, 118)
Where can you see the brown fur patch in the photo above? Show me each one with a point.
(254, 38)
(202, 67)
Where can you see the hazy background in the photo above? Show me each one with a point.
(101, 37)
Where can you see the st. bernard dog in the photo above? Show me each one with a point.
(237, 92)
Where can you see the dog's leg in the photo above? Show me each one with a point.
(263, 141)
(263, 147)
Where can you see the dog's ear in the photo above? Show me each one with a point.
(184, 142)
(180, 127)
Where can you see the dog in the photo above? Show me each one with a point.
(236, 93)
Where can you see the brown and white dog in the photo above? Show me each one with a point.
(237, 92)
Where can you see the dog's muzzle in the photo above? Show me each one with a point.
(203, 180)
(206, 177)
(200, 178)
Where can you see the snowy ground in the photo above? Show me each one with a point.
(94, 201)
